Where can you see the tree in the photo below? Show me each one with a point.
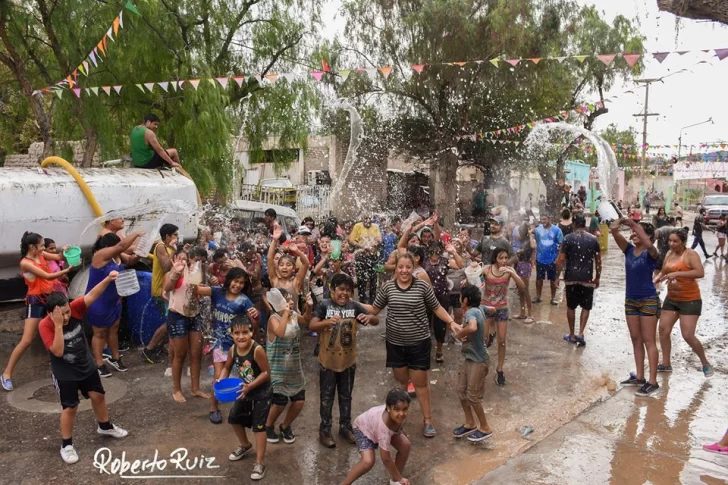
(716, 10)
(437, 110)
(171, 40)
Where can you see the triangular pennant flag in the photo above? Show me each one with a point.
(194, 82)
(631, 59)
(104, 42)
(371, 73)
(95, 90)
(98, 56)
(141, 88)
(59, 93)
(149, 86)
(513, 62)
(386, 70)
(223, 81)
(81, 68)
(239, 80)
(121, 19)
(660, 56)
(272, 78)
(100, 45)
(117, 88)
(317, 75)
(131, 7)
(70, 82)
(535, 60)
(115, 25)
(606, 58)
(344, 73)
(325, 66)
(181, 85)
(560, 59)
(461, 64)
(580, 58)
(107, 90)
(85, 65)
(721, 53)
(681, 52)
(92, 57)
(108, 35)
(77, 92)
(418, 68)
(164, 85)
(495, 62)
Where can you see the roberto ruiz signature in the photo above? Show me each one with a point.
(178, 465)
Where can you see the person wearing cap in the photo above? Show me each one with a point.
(496, 239)
(548, 240)
(366, 238)
(303, 241)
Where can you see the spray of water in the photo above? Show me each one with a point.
(356, 134)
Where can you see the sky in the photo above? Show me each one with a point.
(682, 99)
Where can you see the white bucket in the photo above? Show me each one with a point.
(472, 274)
(127, 283)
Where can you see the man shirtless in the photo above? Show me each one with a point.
(146, 152)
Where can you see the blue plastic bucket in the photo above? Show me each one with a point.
(226, 390)
(143, 314)
(73, 255)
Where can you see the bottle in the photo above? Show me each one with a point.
(276, 300)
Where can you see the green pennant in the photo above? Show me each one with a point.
(141, 88)
(344, 73)
(59, 93)
(95, 91)
(131, 7)
(495, 62)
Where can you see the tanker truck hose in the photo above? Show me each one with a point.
(79, 180)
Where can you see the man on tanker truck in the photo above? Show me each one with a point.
(146, 151)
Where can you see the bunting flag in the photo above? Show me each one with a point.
(141, 88)
(606, 58)
(581, 59)
(239, 80)
(317, 75)
(95, 90)
(631, 59)
(272, 78)
(164, 86)
(513, 62)
(107, 90)
(660, 56)
(385, 70)
(77, 92)
(195, 83)
(223, 81)
(495, 62)
(535, 60)
(344, 73)
(132, 8)
(721, 53)
(149, 86)
(117, 88)
(418, 68)
(325, 66)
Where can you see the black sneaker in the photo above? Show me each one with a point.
(117, 364)
(271, 435)
(150, 356)
(287, 434)
(500, 379)
(104, 371)
(490, 340)
(647, 389)
(633, 381)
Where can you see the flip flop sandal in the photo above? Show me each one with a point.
(567, 338)
(528, 320)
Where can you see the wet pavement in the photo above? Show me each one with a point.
(581, 429)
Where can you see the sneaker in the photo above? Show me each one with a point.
(554, 302)
(104, 371)
(258, 471)
(168, 372)
(150, 356)
(428, 430)
(411, 389)
(439, 358)
(500, 379)
(647, 389)
(106, 353)
(536, 300)
(348, 435)
(462, 431)
(479, 436)
(216, 417)
(117, 364)
(664, 368)
(239, 452)
(271, 435)
(326, 439)
(708, 370)
(633, 381)
(69, 455)
(6, 383)
(287, 434)
(114, 432)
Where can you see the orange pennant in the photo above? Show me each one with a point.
(535, 60)
(461, 64)
(101, 46)
(385, 70)
(116, 26)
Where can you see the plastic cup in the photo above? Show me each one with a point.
(73, 255)
(336, 249)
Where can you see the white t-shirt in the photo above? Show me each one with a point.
(371, 424)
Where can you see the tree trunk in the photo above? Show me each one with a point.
(697, 9)
(444, 188)
(89, 150)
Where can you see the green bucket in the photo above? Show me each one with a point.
(73, 255)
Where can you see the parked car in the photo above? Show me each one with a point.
(282, 187)
(715, 205)
(251, 215)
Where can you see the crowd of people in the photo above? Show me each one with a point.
(250, 294)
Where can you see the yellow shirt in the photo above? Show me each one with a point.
(157, 270)
(362, 236)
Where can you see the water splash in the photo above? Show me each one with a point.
(355, 139)
(606, 161)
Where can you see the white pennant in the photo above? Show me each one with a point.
(149, 86)
(121, 19)
(163, 85)
(117, 88)
(223, 81)
(107, 90)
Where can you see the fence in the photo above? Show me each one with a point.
(307, 200)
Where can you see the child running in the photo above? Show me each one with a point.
(72, 366)
(381, 427)
(336, 322)
(474, 369)
(251, 408)
(228, 301)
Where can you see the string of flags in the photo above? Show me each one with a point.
(93, 58)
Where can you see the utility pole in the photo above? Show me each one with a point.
(644, 117)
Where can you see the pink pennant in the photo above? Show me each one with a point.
(660, 56)
(272, 78)
(117, 88)
(631, 59)
(239, 80)
(107, 90)
(513, 62)
(223, 81)
(418, 68)
(721, 53)
(180, 85)
(317, 75)
(606, 58)
(77, 92)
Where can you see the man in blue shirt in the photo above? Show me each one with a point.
(548, 240)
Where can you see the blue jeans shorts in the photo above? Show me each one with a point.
(178, 326)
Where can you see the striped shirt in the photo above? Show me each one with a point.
(407, 322)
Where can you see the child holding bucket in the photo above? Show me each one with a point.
(253, 403)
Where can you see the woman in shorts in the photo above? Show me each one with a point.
(526, 255)
(681, 269)
(721, 231)
(408, 335)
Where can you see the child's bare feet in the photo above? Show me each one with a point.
(178, 397)
(201, 394)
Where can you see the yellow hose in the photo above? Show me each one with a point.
(79, 180)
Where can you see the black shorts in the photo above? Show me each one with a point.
(579, 296)
(250, 414)
(415, 357)
(68, 390)
(156, 161)
(694, 307)
(281, 400)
